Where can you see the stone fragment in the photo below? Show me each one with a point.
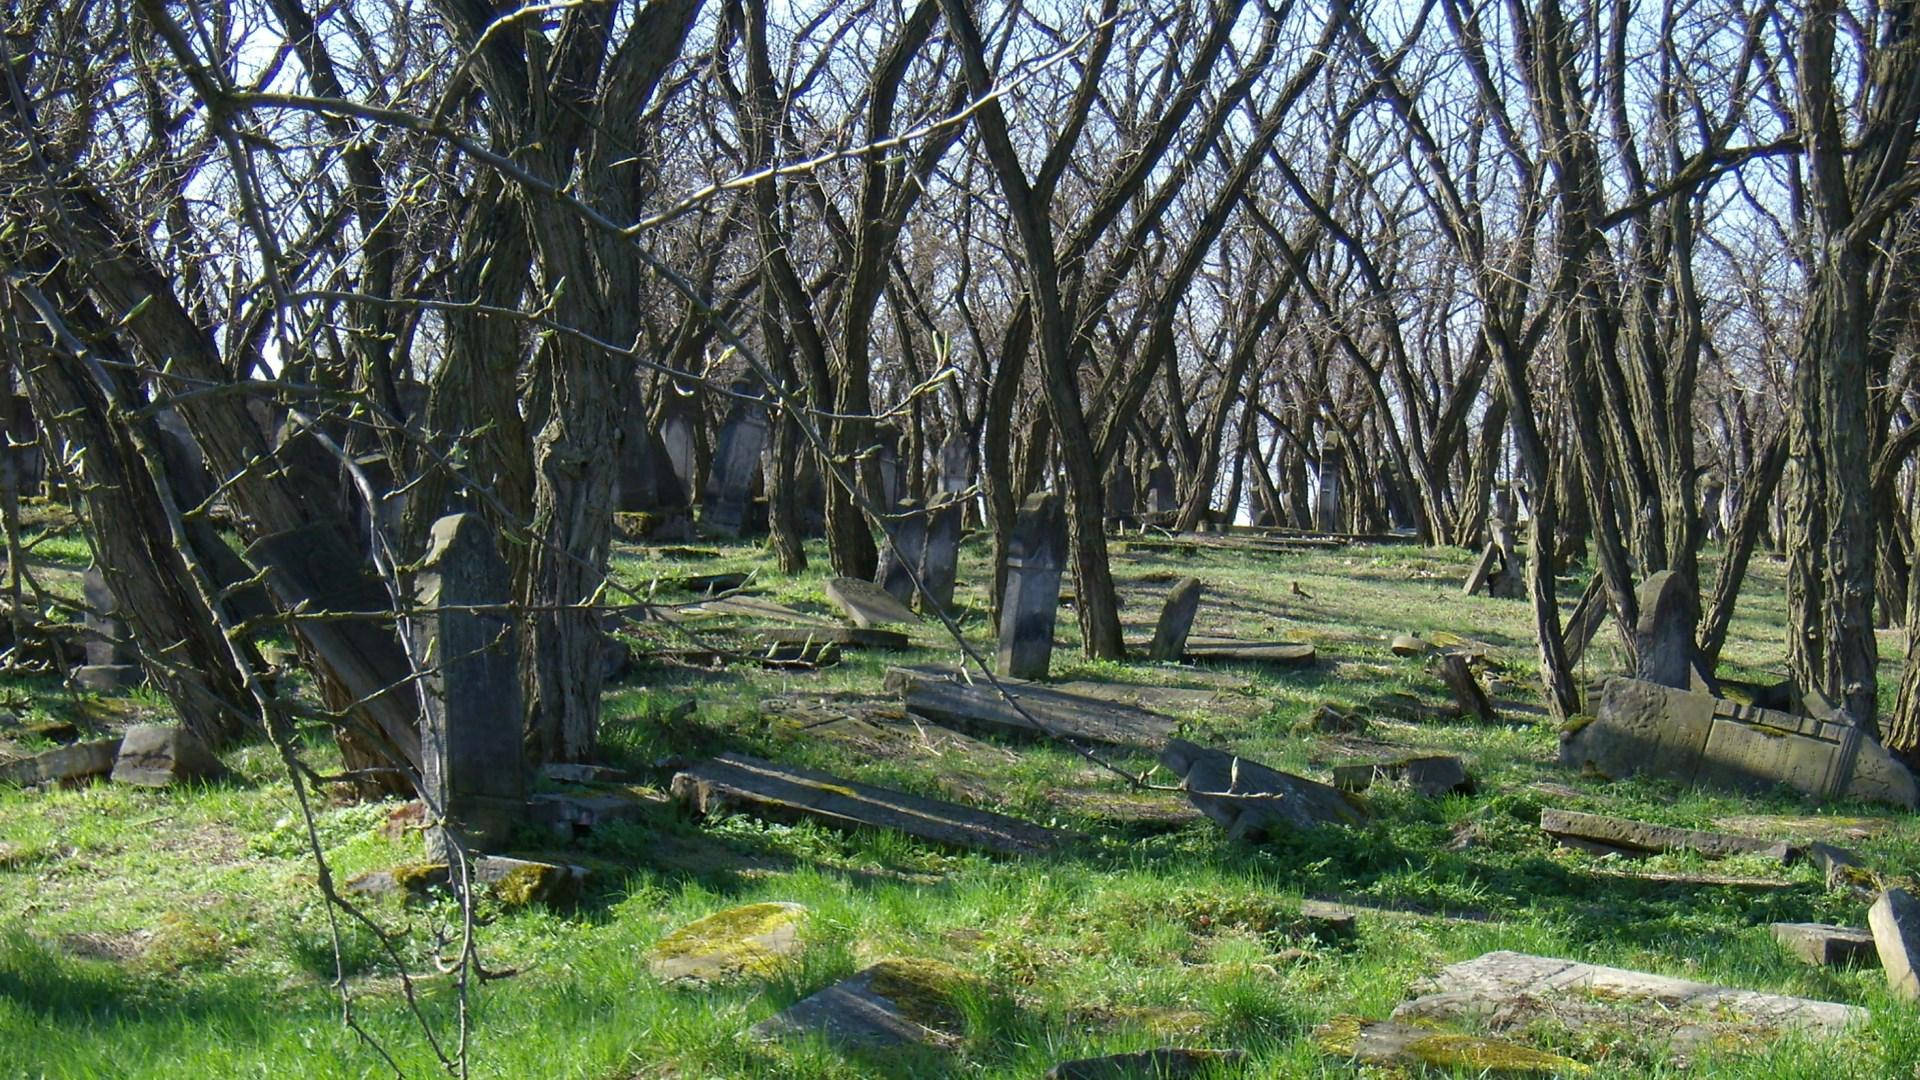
(1208, 649)
(519, 882)
(893, 1003)
(1410, 645)
(573, 772)
(409, 879)
(1248, 799)
(903, 555)
(1047, 711)
(1432, 776)
(1585, 621)
(1164, 1063)
(1329, 922)
(1895, 919)
(1643, 838)
(940, 564)
(1176, 621)
(1030, 605)
(61, 764)
(568, 816)
(1826, 946)
(858, 637)
(156, 755)
(1483, 569)
(1840, 867)
(1333, 720)
(108, 678)
(1393, 1045)
(748, 942)
(787, 793)
(1454, 670)
(866, 604)
(1329, 513)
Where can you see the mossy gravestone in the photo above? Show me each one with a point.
(740, 943)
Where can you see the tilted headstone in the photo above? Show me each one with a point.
(470, 731)
(1399, 510)
(1161, 495)
(1122, 499)
(647, 478)
(940, 567)
(904, 553)
(676, 438)
(1663, 638)
(1585, 621)
(1483, 569)
(1176, 621)
(1895, 920)
(736, 460)
(886, 458)
(1035, 555)
(1509, 583)
(1329, 514)
(1710, 521)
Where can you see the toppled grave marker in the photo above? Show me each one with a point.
(1607, 835)
(1895, 919)
(1394, 1045)
(940, 564)
(710, 584)
(62, 764)
(1248, 799)
(747, 942)
(1432, 776)
(979, 706)
(858, 637)
(1483, 570)
(576, 815)
(1585, 621)
(1642, 727)
(892, 1003)
(1410, 645)
(782, 792)
(1208, 649)
(1164, 1063)
(1826, 946)
(156, 755)
(519, 882)
(866, 604)
(1176, 621)
(1467, 694)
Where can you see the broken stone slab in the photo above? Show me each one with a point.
(1638, 838)
(1332, 720)
(1644, 728)
(1508, 991)
(747, 942)
(569, 816)
(1431, 776)
(61, 764)
(1663, 645)
(569, 772)
(156, 755)
(1895, 919)
(1482, 571)
(787, 793)
(1329, 922)
(753, 607)
(1207, 649)
(866, 604)
(1248, 799)
(859, 637)
(1840, 867)
(520, 882)
(108, 678)
(1394, 1045)
(409, 879)
(1715, 881)
(893, 1003)
(978, 706)
(1164, 1063)
(1826, 946)
(711, 584)
(1410, 645)
(1176, 622)
(1409, 708)
(1455, 671)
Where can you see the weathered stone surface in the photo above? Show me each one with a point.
(108, 678)
(573, 772)
(978, 706)
(782, 792)
(519, 882)
(410, 879)
(63, 763)
(1642, 727)
(940, 564)
(1410, 645)
(1329, 510)
(1164, 1063)
(736, 458)
(1207, 649)
(1332, 720)
(155, 755)
(748, 942)
(1483, 569)
(576, 815)
(1826, 946)
(1031, 601)
(1454, 670)
(1644, 838)
(1248, 799)
(892, 1003)
(1394, 1045)
(867, 604)
(859, 637)
(1585, 621)
(1176, 621)
(1663, 638)
(1328, 921)
(1507, 991)
(903, 555)
(1432, 776)
(1895, 919)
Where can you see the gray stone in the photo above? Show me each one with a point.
(1161, 496)
(892, 1003)
(1164, 1063)
(156, 755)
(408, 879)
(787, 793)
(1410, 645)
(1509, 583)
(736, 458)
(753, 941)
(1482, 571)
(903, 555)
(1826, 946)
(956, 464)
(939, 568)
(108, 678)
(1329, 921)
(1417, 1049)
(472, 764)
(1454, 670)
(1643, 838)
(1250, 800)
(1122, 499)
(858, 637)
(1431, 776)
(572, 772)
(518, 882)
(1176, 621)
(1035, 554)
(1895, 919)
(1329, 514)
(955, 702)
(568, 816)
(109, 642)
(1203, 649)
(866, 604)
(63, 763)
(1663, 638)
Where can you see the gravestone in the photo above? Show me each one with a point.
(866, 604)
(156, 755)
(956, 464)
(1399, 510)
(1176, 620)
(1028, 608)
(1248, 799)
(893, 1003)
(1711, 498)
(1640, 838)
(113, 660)
(1509, 583)
(1042, 710)
(1826, 946)
(1483, 569)
(471, 727)
(747, 942)
(1162, 498)
(1585, 621)
(1663, 638)
(1161, 1063)
(1419, 1050)
(63, 764)
(676, 439)
(736, 460)
(886, 459)
(1328, 514)
(1122, 499)
(1895, 919)
(903, 556)
(647, 478)
(940, 565)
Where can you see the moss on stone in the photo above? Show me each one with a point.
(1410, 1047)
(925, 991)
(738, 942)
(534, 883)
(418, 877)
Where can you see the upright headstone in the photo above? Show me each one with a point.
(1663, 638)
(1122, 499)
(1711, 496)
(1161, 496)
(956, 464)
(1035, 554)
(1399, 510)
(676, 438)
(940, 566)
(887, 460)
(736, 460)
(1510, 582)
(470, 732)
(113, 660)
(905, 549)
(1176, 620)
(1329, 515)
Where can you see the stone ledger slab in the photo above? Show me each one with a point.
(1645, 838)
(750, 941)
(73, 762)
(893, 1003)
(867, 604)
(978, 706)
(1826, 946)
(1250, 800)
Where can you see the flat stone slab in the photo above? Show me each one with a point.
(859, 637)
(156, 755)
(783, 792)
(751, 941)
(1203, 649)
(1165, 1063)
(62, 763)
(978, 706)
(1507, 991)
(1394, 1045)
(1895, 919)
(1410, 645)
(1250, 800)
(866, 604)
(1433, 776)
(1826, 946)
(519, 882)
(1637, 838)
(576, 815)
(753, 607)
(892, 1003)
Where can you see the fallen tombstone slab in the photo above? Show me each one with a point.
(1482, 571)
(1164, 1063)
(859, 637)
(1826, 946)
(1716, 881)
(1407, 707)
(1431, 776)
(752, 607)
(576, 815)
(1176, 621)
(61, 764)
(1332, 720)
(866, 604)
(1329, 922)
(747, 942)
(980, 707)
(710, 584)
(1644, 728)
(1248, 799)
(1842, 868)
(1467, 694)
(892, 1003)
(1394, 1045)
(804, 656)
(782, 792)
(410, 879)
(108, 678)
(1585, 621)
(1203, 650)
(1895, 919)
(156, 755)
(519, 882)
(568, 772)
(1509, 991)
(1640, 838)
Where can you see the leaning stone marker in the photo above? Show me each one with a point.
(1663, 638)
(1432, 776)
(939, 567)
(866, 604)
(1482, 570)
(736, 458)
(1165, 1063)
(156, 755)
(1176, 620)
(892, 1003)
(1250, 800)
(472, 761)
(903, 556)
(752, 941)
(1826, 946)
(1895, 919)
(1032, 598)
(1455, 672)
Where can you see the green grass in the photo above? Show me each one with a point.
(174, 933)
